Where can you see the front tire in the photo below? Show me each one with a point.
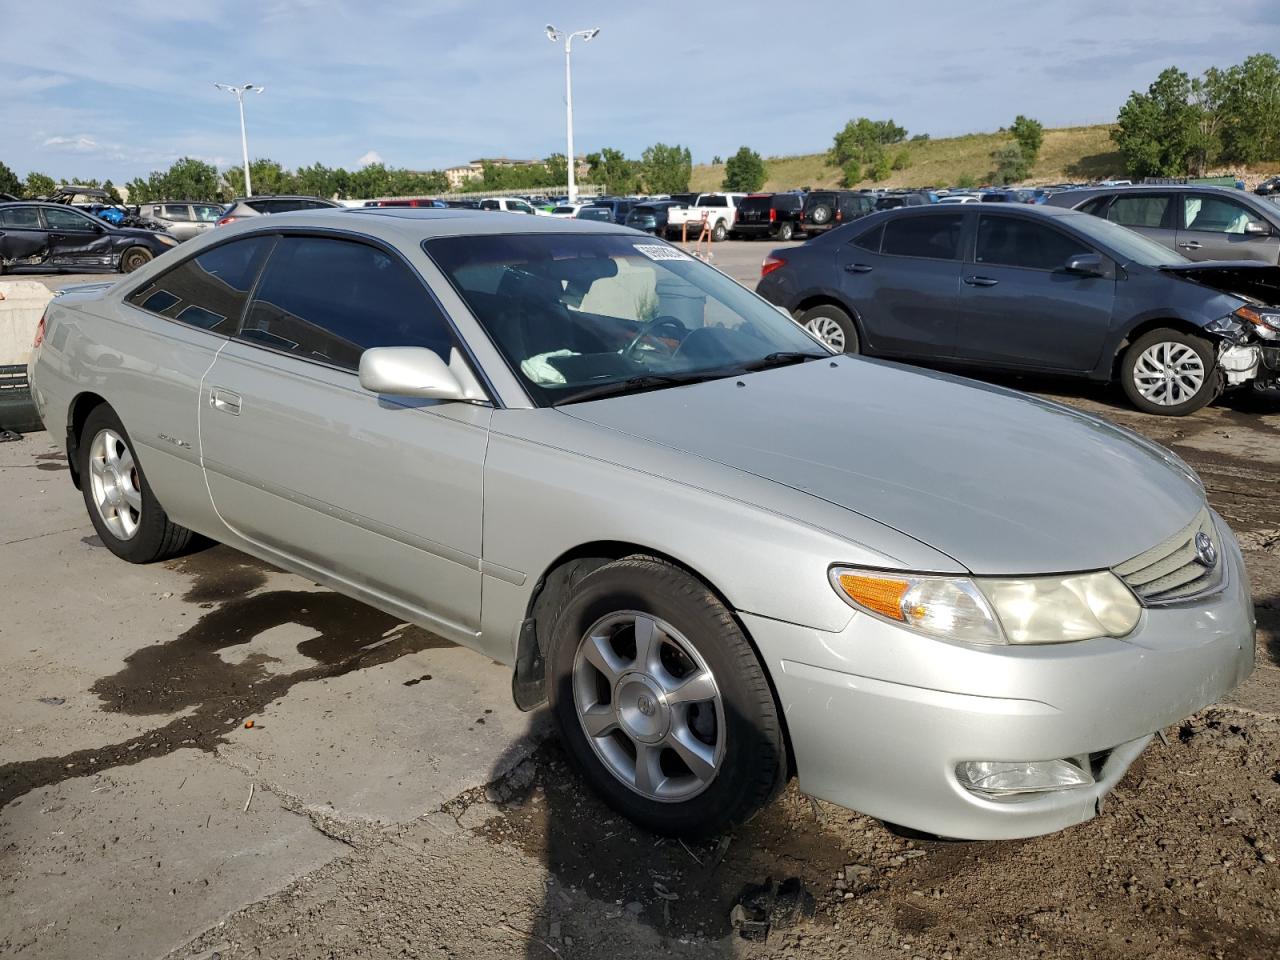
(833, 327)
(129, 520)
(719, 232)
(1170, 373)
(135, 258)
(661, 701)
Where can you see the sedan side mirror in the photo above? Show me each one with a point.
(1085, 265)
(409, 372)
(1257, 228)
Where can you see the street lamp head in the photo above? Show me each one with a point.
(590, 35)
(551, 33)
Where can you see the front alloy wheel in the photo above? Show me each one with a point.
(649, 706)
(1170, 373)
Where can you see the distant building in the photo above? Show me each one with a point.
(460, 175)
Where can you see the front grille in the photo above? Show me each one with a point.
(1171, 570)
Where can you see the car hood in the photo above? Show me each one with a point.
(1001, 482)
(1249, 279)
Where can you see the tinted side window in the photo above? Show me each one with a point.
(1096, 206)
(67, 220)
(870, 240)
(175, 211)
(207, 291)
(329, 300)
(1147, 210)
(27, 218)
(1015, 242)
(934, 237)
(714, 202)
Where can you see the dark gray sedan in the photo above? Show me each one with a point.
(1035, 289)
(1201, 223)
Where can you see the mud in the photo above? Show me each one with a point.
(215, 694)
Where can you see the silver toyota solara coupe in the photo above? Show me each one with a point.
(722, 554)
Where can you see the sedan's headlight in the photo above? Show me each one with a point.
(1266, 323)
(167, 241)
(995, 610)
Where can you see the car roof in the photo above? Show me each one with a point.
(412, 225)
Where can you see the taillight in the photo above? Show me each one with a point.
(770, 264)
(773, 215)
(39, 337)
(839, 215)
(225, 220)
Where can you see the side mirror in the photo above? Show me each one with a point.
(409, 372)
(1257, 228)
(1085, 265)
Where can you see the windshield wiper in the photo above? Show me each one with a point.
(781, 359)
(648, 381)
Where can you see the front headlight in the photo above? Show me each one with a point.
(167, 241)
(1028, 610)
(1265, 323)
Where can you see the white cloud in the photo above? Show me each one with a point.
(373, 156)
(82, 143)
(35, 82)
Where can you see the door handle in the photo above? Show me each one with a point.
(57, 236)
(980, 281)
(857, 268)
(225, 400)
(1190, 245)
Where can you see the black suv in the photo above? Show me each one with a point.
(773, 215)
(824, 209)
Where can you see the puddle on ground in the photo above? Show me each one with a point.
(190, 673)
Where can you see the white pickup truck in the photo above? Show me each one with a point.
(718, 209)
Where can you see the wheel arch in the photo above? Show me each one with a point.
(550, 589)
(83, 405)
(1142, 328)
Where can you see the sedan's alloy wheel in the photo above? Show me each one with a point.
(114, 484)
(1168, 373)
(828, 331)
(649, 706)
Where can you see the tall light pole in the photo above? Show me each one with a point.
(587, 36)
(239, 93)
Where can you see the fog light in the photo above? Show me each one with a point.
(996, 778)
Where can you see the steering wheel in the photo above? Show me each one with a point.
(648, 331)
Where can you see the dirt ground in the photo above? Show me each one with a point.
(1182, 863)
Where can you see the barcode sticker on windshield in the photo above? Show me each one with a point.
(660, 251)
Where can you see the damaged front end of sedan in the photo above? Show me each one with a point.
(1249, 336)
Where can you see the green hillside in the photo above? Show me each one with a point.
(1068, 153)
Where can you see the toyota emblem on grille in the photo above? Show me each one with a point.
(1206, 552)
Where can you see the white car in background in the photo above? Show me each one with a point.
(566, 211)
(508, 205)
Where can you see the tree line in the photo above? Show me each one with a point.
(1185, 125)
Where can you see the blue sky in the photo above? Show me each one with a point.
(432, 83)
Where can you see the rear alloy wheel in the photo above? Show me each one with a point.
(128, 518)
(661, 701)
(785, 231)
(719, 232)
(133, 258)
(1170, 373)
(832, 326)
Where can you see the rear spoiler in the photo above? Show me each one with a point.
(1245, 278)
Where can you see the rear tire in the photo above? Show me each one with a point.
(821, 214)
(711, 757)
(785, 231)
(833, 327)
(122, 508)
(1170, 373)
(719, 232)
(135, 258)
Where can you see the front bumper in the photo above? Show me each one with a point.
(879, 717)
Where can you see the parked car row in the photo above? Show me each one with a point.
(38, 237)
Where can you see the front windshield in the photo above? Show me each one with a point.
(1132, 246)
(574, 312)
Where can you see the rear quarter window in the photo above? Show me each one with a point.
(207, 291)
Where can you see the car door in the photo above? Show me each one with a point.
(76, 240)
(1153, 215)
(1019, 307)
(380, 493)
(181, 225)
(1217, 228)
(22, 234)
(903, 277)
